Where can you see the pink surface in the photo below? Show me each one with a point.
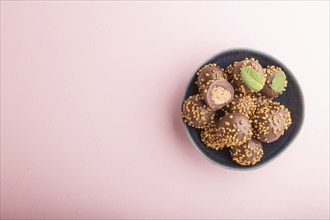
(90, 110)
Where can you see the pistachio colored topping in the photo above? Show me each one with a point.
(252, 78)
(279, 82)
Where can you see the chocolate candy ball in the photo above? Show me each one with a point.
(285, 115)
(235, 129)
(262, 100)
(196, 113)
(229, 71)
(247, 154)
(211, 138)
(270, 122)
(268, 89)
(237, 79)
(218, 93)
(245, 104)
(208, 72)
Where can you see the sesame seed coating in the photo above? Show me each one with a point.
(208, 72)
(285, 114)
(229, 71)
(196, 113)
(235, 129)
(211, 138)
(247, 154)
(245, 104)
(270, 122)
(261, 100)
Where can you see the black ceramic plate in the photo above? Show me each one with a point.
(291, 98)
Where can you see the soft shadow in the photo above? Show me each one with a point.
(175, 102)
(183, 144)
(175, 107)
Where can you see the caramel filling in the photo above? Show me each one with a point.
(220, 95)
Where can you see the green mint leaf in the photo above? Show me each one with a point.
(279, 82)
(252, 79)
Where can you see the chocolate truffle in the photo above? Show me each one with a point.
(211, 138)
(285, 115)
(275, 82)
(206, 73)
(261, 100)
(196, 113)
(270, 122)
(248, 76)
(218, 93)
(229, 71)
(245, 104)
(247, 154)
(235, 129)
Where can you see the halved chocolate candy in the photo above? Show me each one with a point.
(218, 93)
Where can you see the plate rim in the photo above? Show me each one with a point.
(243, 168)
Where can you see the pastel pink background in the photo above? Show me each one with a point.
(90, 110)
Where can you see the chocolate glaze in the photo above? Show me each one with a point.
(236, 78)
(270, 122)
(247, 154)
(196, 113)
(235, 129)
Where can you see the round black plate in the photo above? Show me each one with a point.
(292, 98)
